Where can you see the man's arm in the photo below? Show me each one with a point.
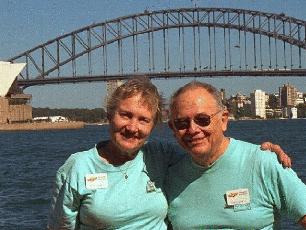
(302, 222)
(282, 157)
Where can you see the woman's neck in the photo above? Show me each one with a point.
(113, 155)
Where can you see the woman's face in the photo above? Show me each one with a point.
(131, 124)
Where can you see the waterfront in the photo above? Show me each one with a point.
(42, 126)
(29, 160)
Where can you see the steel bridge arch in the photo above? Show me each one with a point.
(94, 36)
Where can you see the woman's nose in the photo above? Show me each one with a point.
(132, 125)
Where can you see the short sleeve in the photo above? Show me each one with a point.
(65, 200)
(287, 190)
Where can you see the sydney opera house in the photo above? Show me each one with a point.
(14, 104)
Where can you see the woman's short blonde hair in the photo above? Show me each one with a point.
(134, 87)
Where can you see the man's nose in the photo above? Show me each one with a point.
(193, 127)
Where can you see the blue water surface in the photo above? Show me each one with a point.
(29, 160)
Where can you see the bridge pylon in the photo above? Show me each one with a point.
(111, 86)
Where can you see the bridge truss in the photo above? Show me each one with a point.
(172, 43)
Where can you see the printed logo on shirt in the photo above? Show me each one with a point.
(239, 199)
(96, 181)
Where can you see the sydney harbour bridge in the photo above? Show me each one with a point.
(172, 43)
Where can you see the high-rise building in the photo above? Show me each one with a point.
(299, 98)
(290, 112)
(258, 106)
(287, 95)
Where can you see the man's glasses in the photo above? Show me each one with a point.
(200, 119)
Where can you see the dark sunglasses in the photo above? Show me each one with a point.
(202, 120)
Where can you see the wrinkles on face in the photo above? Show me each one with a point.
(190, 104)
(202, 142)
(131, 125)
(133, 132)
(196, 135)
(196, 132)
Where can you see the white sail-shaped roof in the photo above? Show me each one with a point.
(8, 73)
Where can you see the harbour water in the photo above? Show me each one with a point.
(29, 160)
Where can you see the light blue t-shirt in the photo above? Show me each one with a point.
(92, 194)
(197, 196)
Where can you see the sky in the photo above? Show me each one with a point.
(26, 24)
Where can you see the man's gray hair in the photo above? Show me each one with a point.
(196, 84)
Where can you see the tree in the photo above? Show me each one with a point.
(86, 115)
(301, 110)
(273, 101)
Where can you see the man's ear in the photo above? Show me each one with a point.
(170, 125)
(225, 115)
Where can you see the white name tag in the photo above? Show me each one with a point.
(238, 197)
(96, 181)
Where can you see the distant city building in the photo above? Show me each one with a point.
(269, 106)
(278, 112)
(288, 95)
(290, 112)
(269, 112)
(299, 98)
(239, 100)
(239, 105)
(293, 113)
(266, 98)
(258, 106)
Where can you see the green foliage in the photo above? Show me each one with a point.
(273, 101)
(86, 115)
(301, 110)
(243, 112)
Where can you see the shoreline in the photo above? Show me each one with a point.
(42, 126)
(270, 119)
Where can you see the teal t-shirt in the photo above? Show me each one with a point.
(245, 188)
(92, 194)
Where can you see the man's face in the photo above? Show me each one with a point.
(191, 107)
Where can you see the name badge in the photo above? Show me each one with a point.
(96, 181)
(238, 197)
(150, 186)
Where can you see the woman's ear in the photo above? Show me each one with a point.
(109, 117)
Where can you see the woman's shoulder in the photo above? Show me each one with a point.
(77, 161)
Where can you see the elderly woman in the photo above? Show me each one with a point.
(117, 184)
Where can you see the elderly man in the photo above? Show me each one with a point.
(223, 182)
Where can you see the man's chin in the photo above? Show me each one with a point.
(197, 150)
